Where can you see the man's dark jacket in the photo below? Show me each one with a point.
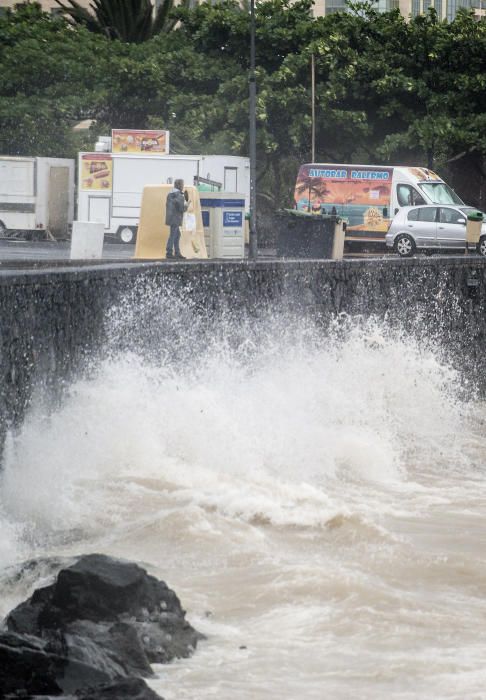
(174, 211)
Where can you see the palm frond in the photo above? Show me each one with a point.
(126, 20)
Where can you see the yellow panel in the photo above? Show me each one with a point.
(153, 233)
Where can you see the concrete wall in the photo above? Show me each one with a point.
(52, 318)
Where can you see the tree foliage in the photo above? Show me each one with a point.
(387, 90)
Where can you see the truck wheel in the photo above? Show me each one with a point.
(126, 234)
(3, 229)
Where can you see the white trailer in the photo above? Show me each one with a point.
(36, 197)
(111, 184)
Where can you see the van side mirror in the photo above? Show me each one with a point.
(396, 210)
(461, 221)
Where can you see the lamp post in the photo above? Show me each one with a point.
(313, 107)
(253, 251)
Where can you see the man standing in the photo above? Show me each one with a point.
(174, 213)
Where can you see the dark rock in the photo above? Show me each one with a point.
(115, 648)
(31, 665)
(124, 689)
(101, 621)
(24, 664)
(100, 589)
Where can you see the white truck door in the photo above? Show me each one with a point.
(230, 179)
(58, 201)
(17, 193)
(99, 210)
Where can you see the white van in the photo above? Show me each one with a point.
(367, 196)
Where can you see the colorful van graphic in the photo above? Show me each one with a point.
(367, 196)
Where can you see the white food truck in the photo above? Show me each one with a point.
(111, 182)
(36, 197)
(367, 196)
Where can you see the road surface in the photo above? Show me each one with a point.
(47, 250)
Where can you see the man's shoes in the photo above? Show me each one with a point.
(174, 256)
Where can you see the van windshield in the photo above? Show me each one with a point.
(440, 193)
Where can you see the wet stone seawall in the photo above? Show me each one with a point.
(53, 318)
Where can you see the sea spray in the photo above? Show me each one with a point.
(239, 426)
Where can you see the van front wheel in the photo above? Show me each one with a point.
(404, 245)
(482, 246)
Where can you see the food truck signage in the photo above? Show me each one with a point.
(141, 141)
(370, 174)
(330, 174)
(96, 171)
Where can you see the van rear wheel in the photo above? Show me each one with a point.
(404, 245)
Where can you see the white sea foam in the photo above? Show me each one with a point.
(271, 439)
